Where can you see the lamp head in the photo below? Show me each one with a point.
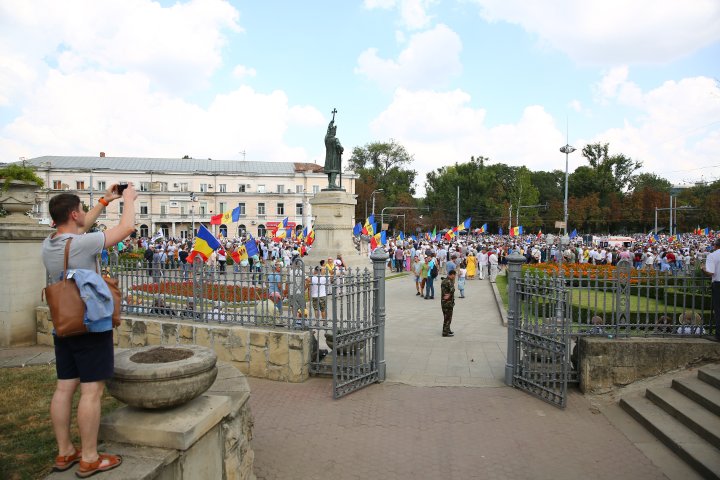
(567, 149)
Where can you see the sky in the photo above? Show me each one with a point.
(510, 80)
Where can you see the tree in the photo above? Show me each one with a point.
(383, 165)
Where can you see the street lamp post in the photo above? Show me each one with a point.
(567, 150)
(193, 199)
(373, 198)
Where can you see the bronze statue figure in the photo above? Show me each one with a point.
(333, 154)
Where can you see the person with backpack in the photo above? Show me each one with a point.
(433, 269)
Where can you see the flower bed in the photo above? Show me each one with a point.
(212, 291)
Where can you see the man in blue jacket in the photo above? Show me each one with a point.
(84, 360)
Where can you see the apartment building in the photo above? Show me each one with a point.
(175, 195)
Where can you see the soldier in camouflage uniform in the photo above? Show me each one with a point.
(447, 302)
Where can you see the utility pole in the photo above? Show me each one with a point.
(457, 216)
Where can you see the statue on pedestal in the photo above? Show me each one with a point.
(333, 154)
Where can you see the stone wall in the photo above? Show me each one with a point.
(264, 353)
(607, 363)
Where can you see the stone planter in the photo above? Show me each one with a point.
(164, 383)
(17, 200)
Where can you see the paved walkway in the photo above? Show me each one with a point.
(403, 430)
(417, 354)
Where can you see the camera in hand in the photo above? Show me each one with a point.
(120, 187)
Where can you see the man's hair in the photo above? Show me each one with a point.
(451, 272)
(62, 205)
(717, 242)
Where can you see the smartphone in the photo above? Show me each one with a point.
(120, 187)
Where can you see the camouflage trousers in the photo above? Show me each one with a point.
(447, 319)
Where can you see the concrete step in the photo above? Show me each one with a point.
(702, 393)
(691, 414)
(710, 374)
(688, 445)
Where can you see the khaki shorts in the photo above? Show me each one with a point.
(319, 303)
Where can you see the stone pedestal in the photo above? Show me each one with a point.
(23, 278)
(334, 212)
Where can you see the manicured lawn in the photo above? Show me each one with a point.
(603, 301)
(501, 281)
(27, 442)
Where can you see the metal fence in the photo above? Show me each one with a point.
(549, 312)
(344, 310)
(626, 302)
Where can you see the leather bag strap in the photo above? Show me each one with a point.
(67, 253)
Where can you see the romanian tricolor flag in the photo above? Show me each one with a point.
(310, 238)
(401, 236)
(280, 230)
(302, 234)
(539, 235)
(205, 244)
(463, 226)
(484, 229)
(378, 239)
(449, 235)
(516, 231)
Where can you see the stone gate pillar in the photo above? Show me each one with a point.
(23, 270)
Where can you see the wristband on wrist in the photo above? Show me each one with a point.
(103, 201)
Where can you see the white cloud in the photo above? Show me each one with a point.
(413, 13)
(675, 126)
(177, 47)
(576, 105)
(440, 128)
(611, 32)
(82, 114)
(241, 71)
(430, 59)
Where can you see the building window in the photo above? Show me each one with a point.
(183, 187)
(241, 188)
(222, 188)
(144, 231)
(204, 187)
(163, 208)
(163, 186)
(101, 185)
(316, 189)
(299, 189)
(241, 206)
(281, 189)
(183, 209)
(80, 185)
(261, 189)
(261, 230)
(299, 209)
(223, 207)
(281, 209)
(203, 208)
(57, 185)
(144, 186)
(143, 208)
(261, 209)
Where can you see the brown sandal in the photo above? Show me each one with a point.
(88, 469)
(62, 463)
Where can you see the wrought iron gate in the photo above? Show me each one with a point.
(541, 337)
(355, 332)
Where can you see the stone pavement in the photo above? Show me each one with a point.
(417, 354)
(404, 429)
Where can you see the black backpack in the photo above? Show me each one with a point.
(434, 270)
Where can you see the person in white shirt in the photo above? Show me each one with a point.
(482, 260)
(317, 284)
(712, 267)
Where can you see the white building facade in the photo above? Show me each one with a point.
(176, 195)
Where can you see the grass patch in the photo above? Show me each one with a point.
(27, 442)
(585, 298)
(501, 282)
